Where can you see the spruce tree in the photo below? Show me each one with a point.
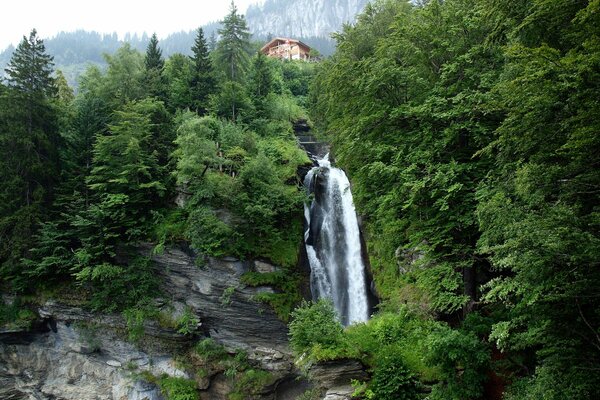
(153, 74)
(203, 82)
(28, 152)
(154, 58)
(260, 83)
(233, 50)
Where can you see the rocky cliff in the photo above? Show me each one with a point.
(73, 354)
(302, 18)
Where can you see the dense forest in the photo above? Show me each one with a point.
(469, 131)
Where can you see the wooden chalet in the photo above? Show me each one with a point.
(287, 49)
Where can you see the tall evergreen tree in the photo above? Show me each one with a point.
(212, 42)
(233, 56)
(154, 58)
(153, 74)
(261, 82)
(233, 50)
(28, 151)
(203, 81)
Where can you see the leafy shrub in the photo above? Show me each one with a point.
(210, 351)
(15, 315)
(553, 382)
(209, 235)
(250, 382)
(117, 287)
(315, 325)
(392, 380)
(284, 108)
(187, 323)
(169, 227)
(175, 388)
(463, 361)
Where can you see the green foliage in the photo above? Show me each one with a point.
(15, 315)
(468, 131)
(210, 350)
(169, 227)
(154, 79)
(462, 360)
(117, 287)
(136, 318)
(123, 81)
(203, 82)
(29, 142)
(250, 382)
(244, 202)
(179, 72)
(187, 323)
(233, 48)
(176, 388)
(392, 380)
(315, 325)
(286, 283)
(247, 380)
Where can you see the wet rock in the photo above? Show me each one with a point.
(264, 267)
(214, 292)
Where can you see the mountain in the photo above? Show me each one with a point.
(302, 18)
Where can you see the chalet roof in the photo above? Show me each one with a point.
(282, 39)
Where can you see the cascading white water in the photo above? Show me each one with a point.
(333, 244)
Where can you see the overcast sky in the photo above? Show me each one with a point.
(18, 17)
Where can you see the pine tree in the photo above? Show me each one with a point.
(261, 82)
(28, 152)
(154, 58)
(203, 82)
(234, 47)
(153, 74)
(212, 42)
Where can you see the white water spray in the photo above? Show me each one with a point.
(333, 243)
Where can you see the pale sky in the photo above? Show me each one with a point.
(49, 17)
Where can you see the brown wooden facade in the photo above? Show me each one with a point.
(287, 49)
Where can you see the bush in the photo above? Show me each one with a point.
(15, 316)
(463, 361)
(315, 325)
(392, 380)
(210, 351)
(178, 388)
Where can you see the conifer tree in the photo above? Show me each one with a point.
(261, 82)
(233, 57)
(28, 151)
(203, 82)
(234, 47)
(212, 42)
(154, 65)
(154, 58)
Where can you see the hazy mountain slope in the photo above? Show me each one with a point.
(302, 18)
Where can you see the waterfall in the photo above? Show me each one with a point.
(333, 243)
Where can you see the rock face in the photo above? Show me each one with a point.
(79, 355)
(70, 362)
(225, 306)
(73, 354)
(334, 378)
(302, 18)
